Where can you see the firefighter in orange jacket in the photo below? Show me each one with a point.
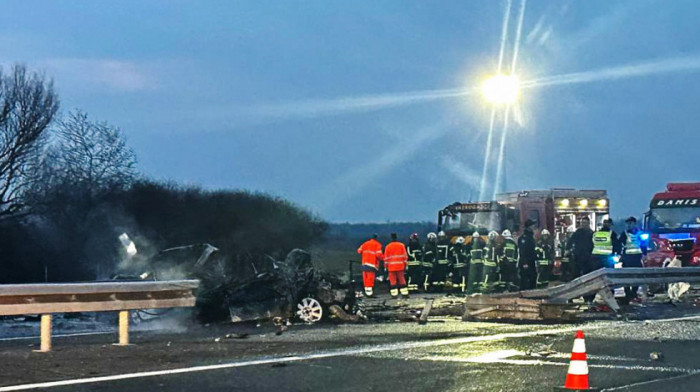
(395, 259)
(371, 251)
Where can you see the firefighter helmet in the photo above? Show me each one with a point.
(493, 234)
(460, 240)
(544, 232)
(414, 236)
(507, 234)
(432, 236)
(475, 234)
(441, 233)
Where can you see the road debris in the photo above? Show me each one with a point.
(656, 356)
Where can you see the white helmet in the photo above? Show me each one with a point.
(476, 234)
(544, 232)
(493, 234)
(507, 234)
(431, 236)
(460, 240)
(441, 233)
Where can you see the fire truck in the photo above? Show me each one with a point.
(463, 219)
(559, 210)
(673, 221)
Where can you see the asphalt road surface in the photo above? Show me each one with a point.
(444, 355)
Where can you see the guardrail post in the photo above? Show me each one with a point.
(124, 328)
(45, 333)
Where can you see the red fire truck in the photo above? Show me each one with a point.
(673, 221)
(559, 210)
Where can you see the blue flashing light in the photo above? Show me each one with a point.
(644, 236)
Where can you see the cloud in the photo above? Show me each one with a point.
(103, 74)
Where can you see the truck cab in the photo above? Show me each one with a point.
(673, 221)
(463, 219)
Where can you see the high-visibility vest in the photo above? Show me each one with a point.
(602, 243)
(371, 252)
(477, 256)
(510, 251)
(633, 245)
(541, 256)
(395, 256)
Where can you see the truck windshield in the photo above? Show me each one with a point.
(674, 219)
(469, 222)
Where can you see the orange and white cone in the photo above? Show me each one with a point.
(577, 376)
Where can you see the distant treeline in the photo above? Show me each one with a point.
(83, 244)
(69, 188)
(349, 234)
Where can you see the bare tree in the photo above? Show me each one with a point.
(28, 105)
(90, 156)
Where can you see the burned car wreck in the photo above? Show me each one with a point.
(293, 287)
(286, 289)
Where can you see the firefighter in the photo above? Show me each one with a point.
(633, 248)
(395, 258)
(414, 267)
(491, 276)
(604, 246)
(430, 252)
(527, 257)
(508, 260)
(568, 271)
(476, 265)
(545, 259)
(459, 259)
(442, 265)
(371, 251)
(580, 246)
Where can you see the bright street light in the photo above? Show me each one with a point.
(501, 89)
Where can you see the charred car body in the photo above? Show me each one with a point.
(285, 289)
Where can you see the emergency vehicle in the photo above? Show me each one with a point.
(673, 222)
(463, 219)
(559, 210)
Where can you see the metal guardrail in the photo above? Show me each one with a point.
(602, 280)
(51, 298)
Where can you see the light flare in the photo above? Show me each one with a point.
(501, 89)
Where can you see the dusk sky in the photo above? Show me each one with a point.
(333, 104)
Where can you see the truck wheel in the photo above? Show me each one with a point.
(310, 310)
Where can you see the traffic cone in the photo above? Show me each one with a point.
(577, 376)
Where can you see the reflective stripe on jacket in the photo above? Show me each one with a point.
(510, 251)
(602, 243)
(371, 252)
(477, 256)
(395, 257)
(633, 245)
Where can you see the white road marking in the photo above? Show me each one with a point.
(539, 362)
(326, 354)
(637, 384)
(297, 358)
